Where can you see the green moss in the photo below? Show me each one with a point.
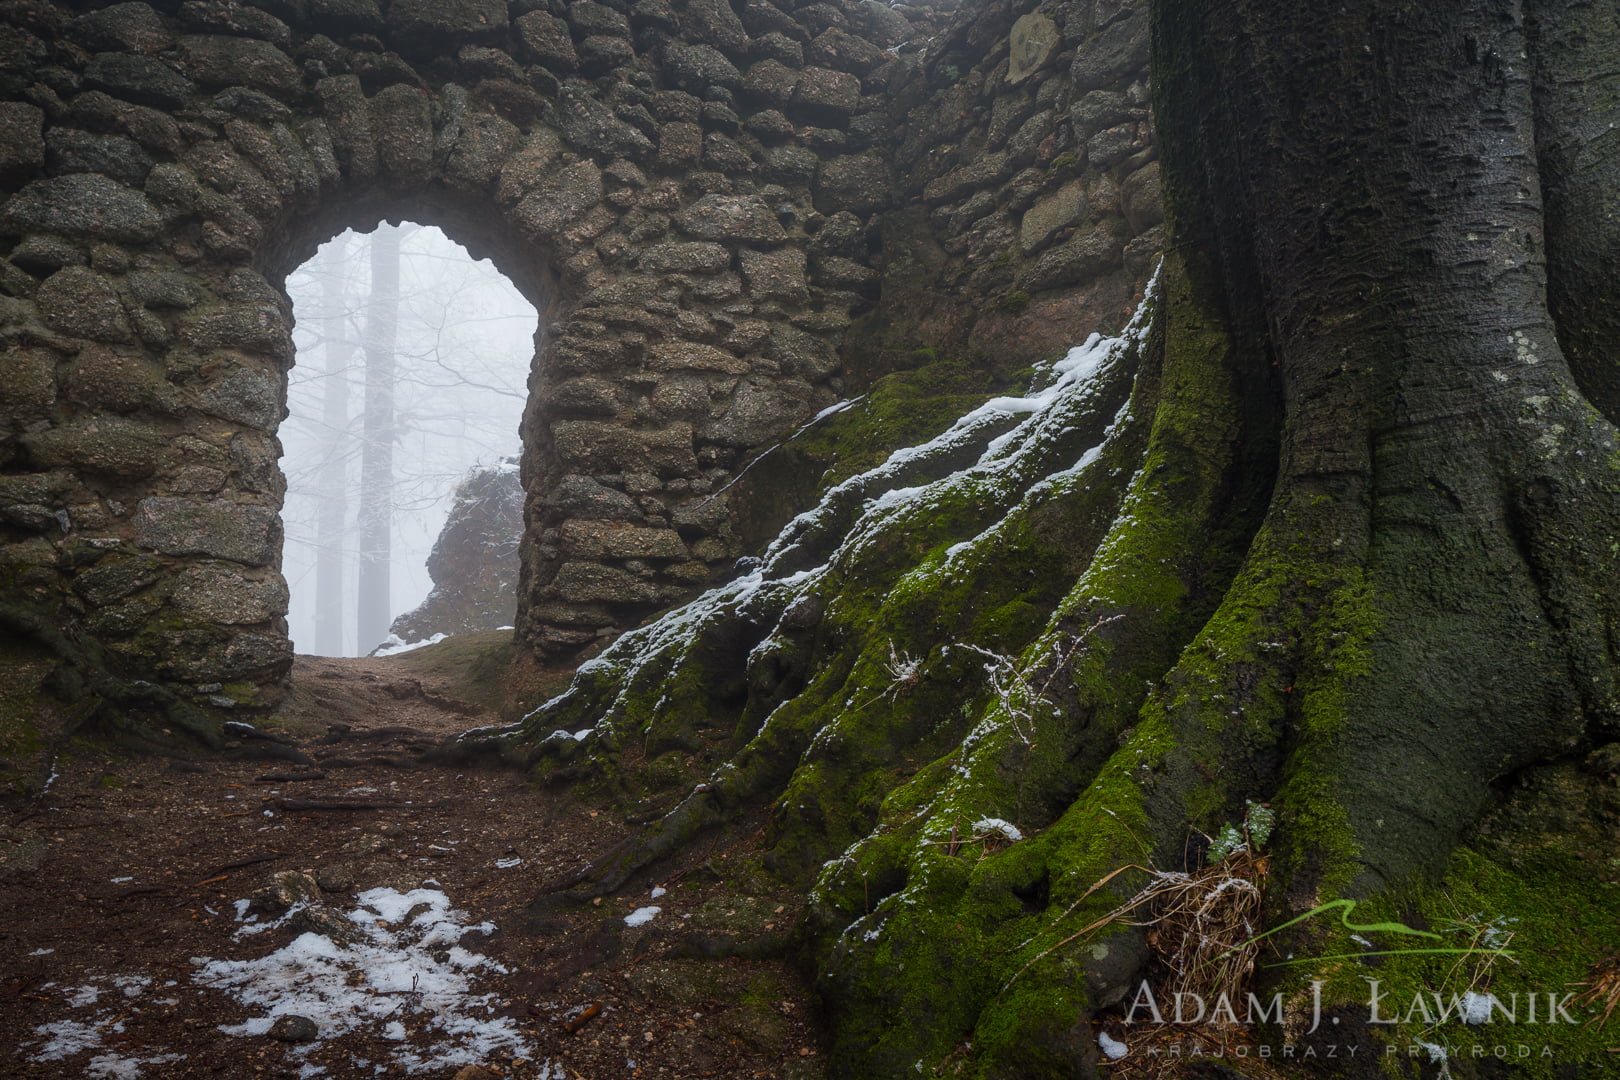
(243, 693)
(902, 409)
(475, 666)
(1509, 932)
(1014, 302)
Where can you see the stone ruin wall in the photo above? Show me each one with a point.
(728, 214)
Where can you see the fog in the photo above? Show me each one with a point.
(463, 340)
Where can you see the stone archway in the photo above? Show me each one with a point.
(171, 163)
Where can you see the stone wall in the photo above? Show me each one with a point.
(1028, 208)
(700, 199)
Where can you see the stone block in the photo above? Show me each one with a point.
(693, 356)
(1035, 38)
(254, 328)
(114, 445)
(1092, 252)
(22, 147)
(595, 447)
(403, 123)
(860, 183)
(133, 27)
(800, 353)
(760, 410)
(583, 497)
(27, 383)
(770, 84)
(1108, 59)
(82, 204)
(78, 301)
(144, 80)
(562, 198)
(777, 274)
(826, 95)
(697, 67)
(241, 532)
(715, 23)
(685, 257)
(104, 378)
(484, 144)
(220, 60)
(113, 580)
(432, 25)
(592, 540)
(244, 395)
(219, 595)
(742, 219)
(591, 126)
(592, 583)
(1062, 209)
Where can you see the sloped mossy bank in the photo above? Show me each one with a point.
(985, 692)
(900, 665)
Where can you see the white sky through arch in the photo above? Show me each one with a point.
(465, 345)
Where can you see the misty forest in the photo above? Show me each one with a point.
(682, 538)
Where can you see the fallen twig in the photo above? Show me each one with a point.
(339, 804)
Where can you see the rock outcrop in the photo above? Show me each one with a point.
(474, 562)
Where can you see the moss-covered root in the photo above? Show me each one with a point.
(963, 922)
(742, 683)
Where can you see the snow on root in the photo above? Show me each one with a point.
(1002, 450)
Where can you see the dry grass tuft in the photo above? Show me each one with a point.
(1602, 987)
(1203, 927)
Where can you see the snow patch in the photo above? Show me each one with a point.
(1005, 829)
(641, 915)
(394, 645)
(408, 979)
(1112, 1047)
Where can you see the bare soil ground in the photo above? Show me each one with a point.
(122, 883)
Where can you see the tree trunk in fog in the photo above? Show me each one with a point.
(332, 483)
(373, 610)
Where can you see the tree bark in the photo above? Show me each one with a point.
(331, 522)
(373, 610)
(1384, 185)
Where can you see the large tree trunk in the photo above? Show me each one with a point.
(1360, 570)
(1378, 200)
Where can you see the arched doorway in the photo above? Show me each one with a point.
(161, 191)
(412, 372)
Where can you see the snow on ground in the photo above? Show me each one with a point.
(394, 645)
(69, 1038)
(407, 977)
(641, 915)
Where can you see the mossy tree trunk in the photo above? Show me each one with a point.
(1347, 548)
(1363, 197)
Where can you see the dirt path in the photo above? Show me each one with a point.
(131, 944)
